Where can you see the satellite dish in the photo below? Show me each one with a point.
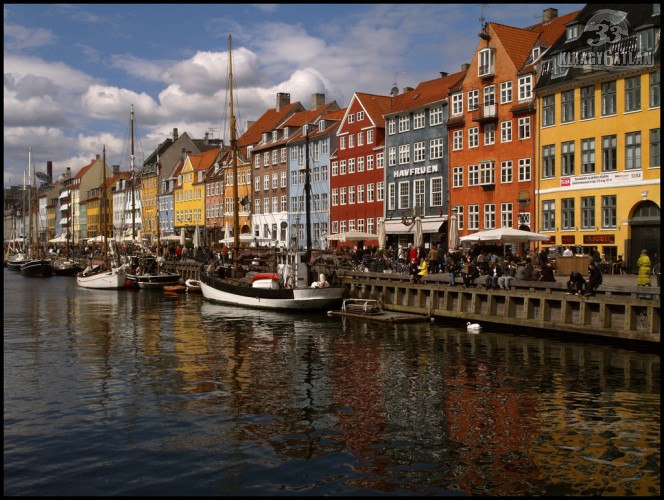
(394, 91)
(43, 177)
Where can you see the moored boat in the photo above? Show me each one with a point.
(148, 274)
(66, 267)
(39, 268)
(193, 286)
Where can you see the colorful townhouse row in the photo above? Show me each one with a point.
(537, 132)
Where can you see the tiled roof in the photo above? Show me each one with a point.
(376, 106)
(270, 120)
(427, 92)
(518, 42)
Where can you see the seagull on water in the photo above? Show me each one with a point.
(473, 327)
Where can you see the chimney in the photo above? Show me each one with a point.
(206, 141)
(465, 67)
(283, 100)
(49, 170)
(549, 15)
(407, 89)
(184, 153)
(68, 173)
(175, 134)
(443, 74)
(96, 157)
(317, 100)
(115, 169)
(249, 125)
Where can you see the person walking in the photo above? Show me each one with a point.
(645, 269)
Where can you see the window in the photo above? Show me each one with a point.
(654, 148)
(418, 193)
(404, 195)
(404, 123)
(370, 162)
(283, 155)
(632, 150)
(655, 97)
(489, 134)
(567, 153)
(473, 137)
(609, 153)
(460, 218)
(609, 212)
(360, 163)
(360, 116)
(351, 141)
(588, 102)
(275, 157)
(489, 216)
(419, 120)
(380, 160)
(370, 193)
(436, 116)
(505, 92)
(380, 191)
(632, 94)
(506, 215)
(524, 169)
(370, 136)
(487, 172)
(572, 32)
(473, 99)
(360, 138)
(567, 211)
(525, 87)
(360, 193)
(548, 111)
(457, 140)
(266, 159)
(548, 161)
(436, 190)
(567, 107)
(588, 212)
(609, 98)
(506, 131)
(457, 104)
(351, 195)
(351, 165)
(418, 152)
(645, 40)
(351, 118)
(392, 156)
(548, 215)
(473, 175)
(524, 127)
(485, 62)
(283, 180)
(473, 217)
(404, 154)
(588, 156)
(342, 167)
(342, 196)
(506, 172)
(335, 169)
(457, 177)
(436, 148)
(391, 126)
(335, 197)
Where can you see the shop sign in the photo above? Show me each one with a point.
(592, 239)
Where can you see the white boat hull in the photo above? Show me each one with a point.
(296, 299)
(104, 280)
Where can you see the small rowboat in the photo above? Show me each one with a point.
(174, 288)
(193, 286)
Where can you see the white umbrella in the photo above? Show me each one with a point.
(170, 237)
(246, 238)
(60, 239)
(227, 230)
(351, 236)
(505, 235)
(419, 235)
(197, 237)
(97, 239)
(453, 233)
(382, 235)
(182, 241)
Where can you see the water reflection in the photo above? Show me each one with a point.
(210, 399)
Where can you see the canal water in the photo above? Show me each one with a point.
(144, 393)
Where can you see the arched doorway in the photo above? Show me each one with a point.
(645, 233)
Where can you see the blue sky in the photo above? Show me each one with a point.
(72, 71)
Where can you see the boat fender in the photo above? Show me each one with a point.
(138, 271)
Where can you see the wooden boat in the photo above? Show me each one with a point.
(293, 289)
(147, 273)
(66, 267)
(362, 306)
(193, 286)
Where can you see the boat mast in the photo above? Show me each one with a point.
(307, 194)
(30, 207)
(236, 214)
(133, 176)
(103, 204)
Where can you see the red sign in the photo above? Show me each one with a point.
(590, 239)
(567, 240)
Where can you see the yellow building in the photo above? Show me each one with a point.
(598, 146)
(189, 192)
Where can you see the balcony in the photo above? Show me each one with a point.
(485, 113)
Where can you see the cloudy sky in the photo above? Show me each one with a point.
(73, 71)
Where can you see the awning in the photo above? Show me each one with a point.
(65, 194)
(64, 221)
(429, 225)
(64, 207)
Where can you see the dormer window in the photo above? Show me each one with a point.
(646, 40)
(266, 137)
(485, 62)
(286, 132)
(572, 32)
(536, 53)
(275, 135)
(655, 9)
(321, 125)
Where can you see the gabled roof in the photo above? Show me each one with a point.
(427, 92)
(84, 170)
(518, 42)
(270, 120)
(375, 106)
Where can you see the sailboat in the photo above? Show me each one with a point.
(35, 265)
(147, 272)
(67, 266)
(287, 288)
(111, 275)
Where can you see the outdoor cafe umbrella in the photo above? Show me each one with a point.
(382, 236)
(182, 240)
(418, 240)
(504, 235)
(351, 236)
(453, 233)
(197, 237)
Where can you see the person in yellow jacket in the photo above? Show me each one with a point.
(645, 268)
(423, 270)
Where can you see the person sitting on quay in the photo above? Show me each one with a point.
(412, 269)
(422, 270)
(471, 275)
(546, 273)
(575, 283)
(508, 275)
(495, 272)
(594, 279)
(619, 266)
